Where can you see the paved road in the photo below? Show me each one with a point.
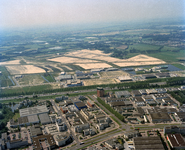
(123, 125)
(50, 94)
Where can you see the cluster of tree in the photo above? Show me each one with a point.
(179, 96)
(118, 115)
(4, 117)
(48, 103)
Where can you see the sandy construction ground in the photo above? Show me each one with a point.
(99, 55)
(94, 65)
(24, 69)
(113, 74)
(13, 62)
(99, 81)
(143, 58)
(67, 60)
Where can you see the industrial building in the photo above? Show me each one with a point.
(149, 76)
(64, 77)
(33, 111)
(176, 141)
(120, 94)
(124, 78)
(174, 129)
(135, 93)
(97, 70)
(44, 118)
(180, 115)
(35, 131)
(80, 105)
(160, 117)
(141, 143)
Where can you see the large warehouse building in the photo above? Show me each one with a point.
(33, 111)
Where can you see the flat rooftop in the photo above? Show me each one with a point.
(33, 110)
(149, 143)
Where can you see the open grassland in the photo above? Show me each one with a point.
(143, 47)
(26, 89)
(169, 48)
(31, 79)
(168, 56)
(4, 80)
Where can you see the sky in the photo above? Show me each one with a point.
(29, 13)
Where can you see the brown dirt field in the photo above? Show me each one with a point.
(13, 62)
(98, 81)
(68, 60)
(24, 69)
(94, 65)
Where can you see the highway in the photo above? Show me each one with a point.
(51, 94)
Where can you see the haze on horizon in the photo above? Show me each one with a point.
(31, 13)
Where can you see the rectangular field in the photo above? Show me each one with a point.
(94, 65)
(99, 82)
(24, 69)
(113, 74)
(31, 79)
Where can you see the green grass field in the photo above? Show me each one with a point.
(143, 47)
(4, 80)
(168, 56)
(179, 66)
(27, 89)
(31, 79)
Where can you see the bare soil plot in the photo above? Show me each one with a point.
(24, 69)
(143, 58)
(13, 62)
(67, 60)
(113, 74)
(98, 81)
(94, 65)
(30, 79)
